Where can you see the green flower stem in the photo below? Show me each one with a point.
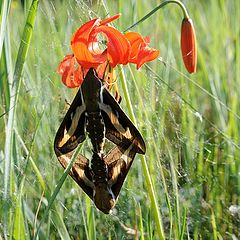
(180, 4)
(151, 192)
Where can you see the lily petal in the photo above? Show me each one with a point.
(65, 63)
(118, 47)
(83, 33)
(110, 19)
(136, 40)
(85, 58)
(83, 41)
(140, 52)
(70, 77)
(85, 46)
(146, 54)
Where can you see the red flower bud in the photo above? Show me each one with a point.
(189, 45)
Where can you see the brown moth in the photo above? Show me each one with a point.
(94, 112)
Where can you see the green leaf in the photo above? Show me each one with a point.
(19, 227)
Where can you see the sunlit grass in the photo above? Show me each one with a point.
(190, 123)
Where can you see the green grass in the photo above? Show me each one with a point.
(190, 123)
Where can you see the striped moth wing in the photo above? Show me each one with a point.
(119, 128)
(72, 129)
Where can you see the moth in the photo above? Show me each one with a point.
(95, 113)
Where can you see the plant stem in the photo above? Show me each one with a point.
(180, 4)
(151, 191)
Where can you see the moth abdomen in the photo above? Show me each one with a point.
(103, 196)
(99, 168)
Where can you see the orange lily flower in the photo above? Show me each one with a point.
(120, 49)
(189, 45)
(140, 52)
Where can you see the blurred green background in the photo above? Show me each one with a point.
(190, 124)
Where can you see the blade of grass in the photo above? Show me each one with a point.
(149, 226)
(183, 224)
(90, 219)
(36, 214)
(59, 223)
(21, 56)
(84, 220)
(4, 86)
(141, 222)
(214, 226)
(4, 15)
(19, 227)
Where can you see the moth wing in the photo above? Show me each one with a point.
(119, 128)
(80, 171)
(119, 164)
(72, 129)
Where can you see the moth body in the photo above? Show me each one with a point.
(103, 196)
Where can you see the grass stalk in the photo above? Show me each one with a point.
(4, 16)
(90, 219)
(141, 222)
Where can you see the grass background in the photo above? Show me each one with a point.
(190, 124)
